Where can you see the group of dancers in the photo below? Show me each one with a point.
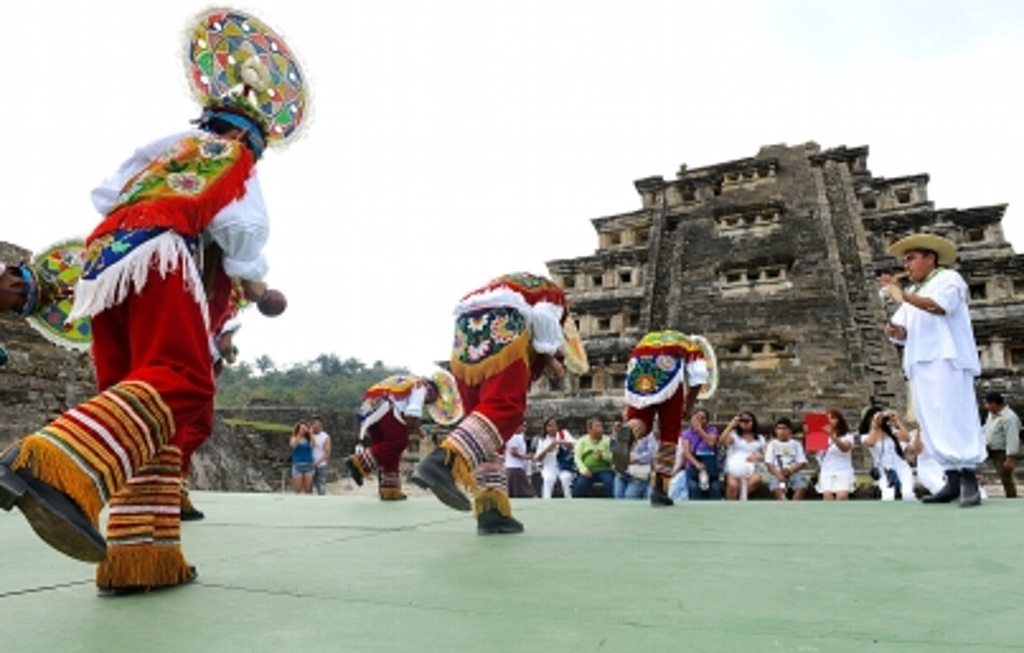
(178, 250)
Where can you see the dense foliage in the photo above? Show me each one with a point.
(325, 381)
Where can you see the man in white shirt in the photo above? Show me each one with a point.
(321, 454)
(1002, 439)
(517, 459)
(940, 359)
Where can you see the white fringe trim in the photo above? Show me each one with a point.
(376, 415)
(164, 253)
(493, 298)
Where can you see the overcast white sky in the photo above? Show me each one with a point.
(455, 140)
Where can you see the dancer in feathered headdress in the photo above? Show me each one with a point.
(508, 333)
(176, 203)
(391, 411)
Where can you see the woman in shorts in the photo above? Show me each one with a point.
(301, 443)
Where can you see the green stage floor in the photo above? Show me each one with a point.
(340, 573)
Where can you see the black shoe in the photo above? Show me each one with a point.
(659, 491)
(492, 522)
(53, 515)
(131, 590)
(950, 491)
(434, 473)
(353, 471)
(620, 452)
(970, 493)
(192, 515)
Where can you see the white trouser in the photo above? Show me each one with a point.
(906, 476)
(549, 483)
(947, 411)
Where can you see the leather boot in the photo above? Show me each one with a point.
(436, 473)
(493, 522)
(970, 494)
(353, 470)
(620, 452)
(659, 491)
(950, 491)
(188, 511)
(55, 518)
(392, 494)
(494, 513)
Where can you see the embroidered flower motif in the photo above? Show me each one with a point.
(214, 149)
(500, 331)
(186, 183)
(478, 322)
(479, 352)
(646, 383)
(172, 152)
(460, 342)
(666, 363)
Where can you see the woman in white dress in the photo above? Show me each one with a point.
(835, 464)
(546, 456)
(744, 458)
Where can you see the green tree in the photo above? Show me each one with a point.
(326, 381)
(265, 364)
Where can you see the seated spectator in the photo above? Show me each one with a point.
(634, 482)
(593, 456)
(744, 458)
(883, 434)
(555, 455)
(786, 460)
(835, 464)
(697, 460)
(516, 459)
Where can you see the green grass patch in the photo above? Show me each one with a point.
(263, 427)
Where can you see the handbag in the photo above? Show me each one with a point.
(638, 471)
(566, 460)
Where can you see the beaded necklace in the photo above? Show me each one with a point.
(918, 286)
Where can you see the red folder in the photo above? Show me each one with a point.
(815, 437)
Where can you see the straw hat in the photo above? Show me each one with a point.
(941, 246)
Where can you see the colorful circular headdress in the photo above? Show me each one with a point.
(236, 61)
(56, 270)
(447, 409)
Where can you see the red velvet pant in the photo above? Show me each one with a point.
(191, 436)
(670, 416)
(388, 439)
(501, 398)
(159, 337)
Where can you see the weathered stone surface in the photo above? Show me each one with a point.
(773, 258)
